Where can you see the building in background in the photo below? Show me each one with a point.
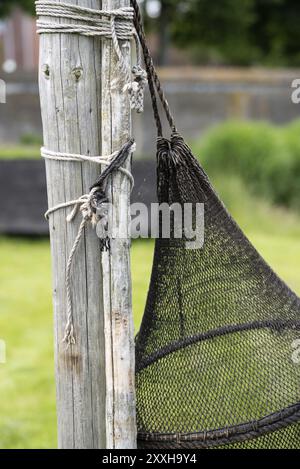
(200, 97)
(18, 43)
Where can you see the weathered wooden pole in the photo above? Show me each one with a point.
(119, 329)
(85, 111)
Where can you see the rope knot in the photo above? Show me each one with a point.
(87, 211)
(136, 88)
(93, 208)
(117, 25)
(88, 205)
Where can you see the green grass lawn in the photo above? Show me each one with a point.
(20, 152)
(27, 390)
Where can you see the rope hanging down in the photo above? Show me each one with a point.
(89, 205)
(116, 25)
(153, 79)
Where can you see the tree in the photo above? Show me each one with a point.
(225, 31)
(232, 32)
(276, 31)
(205, 28)
(219, 29)
(169, 10)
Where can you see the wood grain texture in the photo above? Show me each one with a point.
(70, 91)
(85, 111)
(119, 330)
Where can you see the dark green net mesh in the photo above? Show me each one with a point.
(214, 352)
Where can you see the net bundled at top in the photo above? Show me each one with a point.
(214, 352)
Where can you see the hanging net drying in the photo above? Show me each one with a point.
(214, 353)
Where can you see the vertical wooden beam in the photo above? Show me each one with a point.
(119, 329)
(95, 377)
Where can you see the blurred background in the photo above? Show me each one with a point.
(228, 69)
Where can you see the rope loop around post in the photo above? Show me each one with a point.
(88, 205)
(117, 25)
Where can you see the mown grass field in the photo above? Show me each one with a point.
(27, 390)
(20, 152)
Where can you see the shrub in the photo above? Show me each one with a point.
(266, 157)
(31, 139)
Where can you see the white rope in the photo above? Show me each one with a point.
(136, 88)
(87, 216)
(84, 204)
(111, 24)
(52, 8)
(102, 160)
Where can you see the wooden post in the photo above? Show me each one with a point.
(119, 330)
(85, 111)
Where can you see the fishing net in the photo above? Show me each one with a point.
(214, 355)
(214, 352)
